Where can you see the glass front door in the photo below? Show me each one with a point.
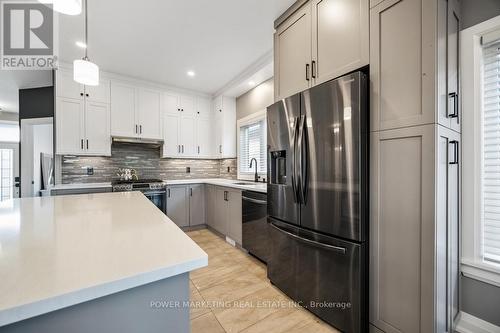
(9, 171)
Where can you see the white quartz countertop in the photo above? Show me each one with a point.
(250, 186)
(59, 251)
(80, 186)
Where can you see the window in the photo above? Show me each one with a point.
(252, 144)
(480, 69)
(9, 132)
(490, 178)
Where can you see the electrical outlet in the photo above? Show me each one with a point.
(188, 169)
(90, 171)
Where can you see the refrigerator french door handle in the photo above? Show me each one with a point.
(302, 169)
(304, 163)
(294, 161)
(340, 249)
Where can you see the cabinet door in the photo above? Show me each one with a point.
(402, 199)
(149, 114)
(453, 74)
(228, 132)
(203, 107)
(100, 93)
(448, 230)
(204, 136)
(171, 147)
(340, 37)
(97, 129)
(292, 49)
(220, 212)
(123, 105)
(69, 126)
(234, 219)
(178, 205)
(187, 105)
(170, 103)
(401, 69)
(67, 87)
(218, 123)
(210, 200)
(187, 136)
(197, 205)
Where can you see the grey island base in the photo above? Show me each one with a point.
(161, 306)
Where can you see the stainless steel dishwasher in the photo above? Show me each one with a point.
(255, 226)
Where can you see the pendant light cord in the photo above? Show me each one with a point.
(86, 32)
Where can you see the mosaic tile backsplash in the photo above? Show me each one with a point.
(146, 161)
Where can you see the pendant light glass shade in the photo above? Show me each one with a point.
(86, 72)
(68, 7)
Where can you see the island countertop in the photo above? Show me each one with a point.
(60, 251)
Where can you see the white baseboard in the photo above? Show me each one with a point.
(470, 324)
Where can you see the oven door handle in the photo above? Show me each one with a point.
(260, 202)
(340, 249)
(155, 193)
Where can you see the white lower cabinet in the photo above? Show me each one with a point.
(186, 204)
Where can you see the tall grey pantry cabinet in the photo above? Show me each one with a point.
(415, 165)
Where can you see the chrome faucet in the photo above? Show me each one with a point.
(256, 174)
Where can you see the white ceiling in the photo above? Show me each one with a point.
(160, 40)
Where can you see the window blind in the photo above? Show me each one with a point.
(491, 153)
(253, 145)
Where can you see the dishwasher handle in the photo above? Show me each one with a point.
(260, 202)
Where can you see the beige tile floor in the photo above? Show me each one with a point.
(232, 294)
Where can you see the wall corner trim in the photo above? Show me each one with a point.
(469, 324)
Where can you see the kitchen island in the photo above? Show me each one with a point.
(108, 262)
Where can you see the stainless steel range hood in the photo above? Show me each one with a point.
(156, 143)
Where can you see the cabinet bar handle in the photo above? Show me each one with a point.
(455, 151)
(81, 143)
(191, 191)
(198, 150)
(183, 149)
(454, 95)
(313, 69)
(307, 72)
(140, 129)
(135, 129)
(87, 143)
(220, 149)
(168, 193)
(179, 149)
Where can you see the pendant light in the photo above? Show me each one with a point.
(68, 7)
(85, 71)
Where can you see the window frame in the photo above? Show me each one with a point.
(248, 120)
(472, 263)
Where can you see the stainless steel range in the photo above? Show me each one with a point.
(154, 189)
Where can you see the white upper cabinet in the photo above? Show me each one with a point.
(82, 117)
(67, 87)
(340, 37)
(322, 40)
(187, 136)
(203, 107)
(204, 138)
(135, 111)
(170, 103)
(123, 100)
(292, 52)
(225, 127)
(187, 105)
(148, 114)
(171, 147)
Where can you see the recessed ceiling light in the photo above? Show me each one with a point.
(251, 83)
(191, 73)
(81, 44)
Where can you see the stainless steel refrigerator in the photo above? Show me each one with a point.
(318, 200)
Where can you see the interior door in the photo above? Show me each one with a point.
(123, 104)
(333, 139)
(293, 54)
(9, 171)
(149, 114)
(70, 126)
(178, 205)
(282, 122)
(171, 146)
(97, 129)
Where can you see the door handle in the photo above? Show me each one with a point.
(455, 151)
(454, 95)
(302, 158)
(307, 72)
(294, 162)
(313, 69)
(255, 201)
(340, 249)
